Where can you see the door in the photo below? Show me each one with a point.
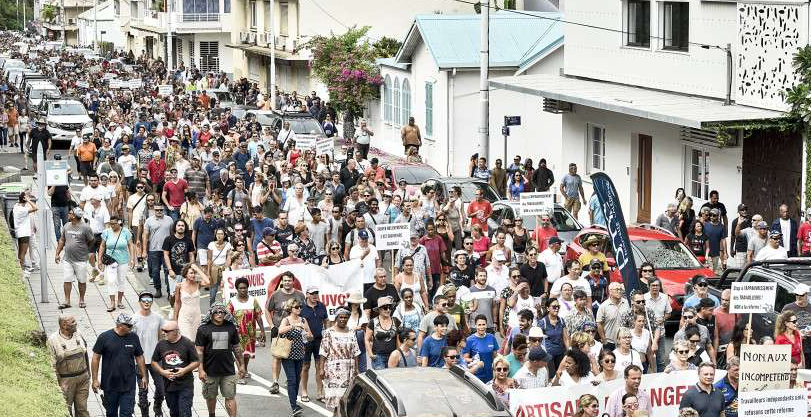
(643, 173)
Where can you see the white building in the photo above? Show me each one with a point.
(108, 30)
(641, 104)
(435, 79)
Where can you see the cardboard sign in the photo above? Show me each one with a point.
(136, 83)
(335, 283)
(305, 142)
(764, 367)
(324, 146)
(164, 90)
(783, 403)
(533, 204)
(109, 76)
(392, 236)
(82, 84)
(752, 297)
(56, 173)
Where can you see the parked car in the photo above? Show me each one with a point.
(401, 392)
(567, 226)
(63, 116)
(675, 264)
(266, 118)
(414, 175)
(35, 91)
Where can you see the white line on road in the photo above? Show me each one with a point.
(315, 407)
(254, 390)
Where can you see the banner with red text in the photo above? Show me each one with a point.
(335, 283)
(665, 392)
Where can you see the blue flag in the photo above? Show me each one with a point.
(615, 221)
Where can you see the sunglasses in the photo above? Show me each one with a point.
(468, 243)
(295, 307)
(146, 300)
(609, 361)
(384, 308)
(452, 356)
(502, 369)
(555, 307)
(647, 270)
(443, 304)
(682, 352)
(791, 321)
(703, 284)
(639, 302)
(688, 317)
(535, 339)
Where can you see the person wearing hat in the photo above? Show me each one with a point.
(498, 275)
(552, 259)
(118, 351)
(716, 232)
(701, 290)
(757, 240)
(76, 239)
(37, 137)
(128, 163)
(593, 245)
(268, 250)
(147, 327)
(706, 318)
(773, 250)
(315, 312)
(534, 373)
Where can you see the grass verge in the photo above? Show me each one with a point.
(28, 385)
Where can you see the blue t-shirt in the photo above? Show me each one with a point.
(432, 349)
(730, 397)
(597, 210)
(116, 246)
(118, 355)
(486, 348)
(693, 300)
(258, 227)
(553, 343)
(315, 317)
(715, 232)
(515, 364)
(205, 231)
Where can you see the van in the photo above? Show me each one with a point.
(27, 78)
(37, 90)
(13, 63)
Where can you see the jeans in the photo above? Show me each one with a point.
(380, 361)
(180, 402)
(174, 214)
(154, 262)
(119, 403)
(662, 358)
(292, 369)
(3, 136)
(435, 279)
(60, 215)
(143, 394)
(362, 363)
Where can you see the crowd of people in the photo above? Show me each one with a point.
(181, 187)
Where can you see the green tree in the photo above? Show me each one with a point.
(386, 47)
(346, 65)
(49, 13)
(799, 98)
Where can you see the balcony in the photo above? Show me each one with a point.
(150, 21)
(199, 22)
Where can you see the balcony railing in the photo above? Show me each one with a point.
(199, 22)
(197, 17)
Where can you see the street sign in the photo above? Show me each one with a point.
(505, 130)
(56, 173)
(512, 120)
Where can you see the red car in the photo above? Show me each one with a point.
(675, 264)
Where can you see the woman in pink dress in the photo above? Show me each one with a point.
(248, 314)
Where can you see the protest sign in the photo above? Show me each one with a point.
(537, 203)
(94, 68)
(392, 236)
(764, 367)
(305, 142)
(135, 83)
(324, 146)
(109, 76)
(334, 283)
(118, 84)
(32, 55)
(53, 59)
(752, 297)
(82, 84)
(784, 402)
(664, 389)
(164, 89)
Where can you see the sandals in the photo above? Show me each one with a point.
(110, 309)
(305, 398)
(82, 304)
(63, 306)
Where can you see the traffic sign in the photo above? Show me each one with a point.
(56, 173)
(512, 120)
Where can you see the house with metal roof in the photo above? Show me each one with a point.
(435, 78)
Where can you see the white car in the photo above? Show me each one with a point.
(36, 90)
(64, 116)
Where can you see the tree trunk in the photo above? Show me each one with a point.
(349, 125)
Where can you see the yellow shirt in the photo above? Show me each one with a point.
(586, 257)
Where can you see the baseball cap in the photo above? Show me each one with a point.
(705, 303)
(801, 289)
(596, 263)
(554, 239)
(701, 280)
(125, 318)
(775, 234)
(762, 225)
(311, 289)
(538, 354)
(77, 212)
(363, 234)
(268, 231)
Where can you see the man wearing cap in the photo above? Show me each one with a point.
(118, 350)
(69, 350)
(156, 229)
(788, 228)
(716, 232)
(76, 239)
(38, 136)
(552, 259)
(701, 290)
(147, 327)
(534, 373)
(756, 241)
(773, 250)
(802, 310)
(110, 165)
(268, 250)
(203, 232)
(214, 166)
(369, 257)
(315, 312)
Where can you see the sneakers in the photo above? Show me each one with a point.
(297, 412)
(274, 389)
(158, 293)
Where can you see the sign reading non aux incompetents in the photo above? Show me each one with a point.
(752, 297)
(764, 367)
(392, 236)
(537, 203)
(324, 146)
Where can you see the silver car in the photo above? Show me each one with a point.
(567, 226)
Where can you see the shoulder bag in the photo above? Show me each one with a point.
(280, 347)
(107, 259)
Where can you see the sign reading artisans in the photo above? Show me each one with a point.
(783, 403)
(533, 204)
(392, 236)
(752, 297)
(764, 367)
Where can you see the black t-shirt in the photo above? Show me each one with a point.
(60, 196)
(536, 276)
(740, 243)
(118, 355)
(460, 277)
(179, 250)
(218, 359)
(284, 235)
(176, 355)
(696, 243)
(719, 205)
(372, 294)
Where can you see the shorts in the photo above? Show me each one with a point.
(572, 205)
(74, 271)
(94, 248)
(85, 168)
(24, 239)
(312, 350)
(227, 386)
(15, 130)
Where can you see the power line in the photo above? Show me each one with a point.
(338, 21)
(703, 45)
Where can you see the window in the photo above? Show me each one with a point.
(192, 63)
(226, 6)
(396, 102)
(675, 24)
(252, 5)
(697, 169)
(283, 7)
(637, 23)
(429, 110)
(178, 58)
(406, 107)
(210, 56)
(387, 99)
(595, 138)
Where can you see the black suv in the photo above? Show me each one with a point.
(401, 392)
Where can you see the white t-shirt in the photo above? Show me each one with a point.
(128, 163)
(785, 228)
(553, 263)
(369, 262)
(499, 280)
(137, 212)
(219, 256)
(768, 252)
(22, 220)
(181, 165)
(97, 218)
(295, 208)
(624, 361)
(75, 141)
(88, 192)
(580, 283)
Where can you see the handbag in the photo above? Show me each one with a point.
(280, 347)
(107, 259)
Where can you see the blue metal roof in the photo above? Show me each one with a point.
(453, 40)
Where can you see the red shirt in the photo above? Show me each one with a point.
(796, 345)
(435, 246)
(475, 206)
(156, 170)
(804, 236)
(542, 235)
(176, 192)
(204, 137)
(263, 251)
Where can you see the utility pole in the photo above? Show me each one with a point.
(43, 213)
(272, 24)
(96, 46)
(170, 47)
(484, 88)
(64, 18)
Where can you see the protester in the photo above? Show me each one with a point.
(147, 327)
(248, 315)
(186, 310)
(587, 406)
(786, 332)
(174, 359)
(534, 373)
(117, 247)
(275, 311)
(217, 344)
(481, 346)
(431, 346)
(76, 239)
(404, 356)
(69, 350)
(502, 382)
(703, 396)
(340, 358)
(607, 361)
(119, 352)
(728, 385)
(633, 378)
(294, 328)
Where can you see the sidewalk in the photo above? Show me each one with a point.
(94, 320)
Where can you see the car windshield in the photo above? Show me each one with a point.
(561, 220)
(469, 190)
(664, 254)
(265, 119)
(305, 126)
(222, 96)
(67, 109)
(40, 93)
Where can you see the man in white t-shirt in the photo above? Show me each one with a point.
(128, 164)
(368, 253)
(772, 250)
(75, 142)
(573, 278)
(23, 226)
(498, 274)
(552, 260)
(94, 189)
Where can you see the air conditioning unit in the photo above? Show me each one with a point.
(71, 21)
(243, 37)
(281, 42)
(296, 44)
(252, 38)
(261, 39)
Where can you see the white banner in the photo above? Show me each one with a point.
(82, 84)
(752, 297)
(305, 142)
(537, 203)
(764, 367)
(783, 403)
(116, 84)
(324, 146)
(136, 83)
(109, 76)
(53, 59)
(392, 236)
(164, 90)
(664, 390)
(335, 283)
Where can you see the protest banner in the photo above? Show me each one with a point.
(664, 389)
(135, 83)
(783, 403)
(752, 297)
(334, 283)
(82, 84)
(164, 90)
(94, 69)
(324, 146)
(537, 203)
(764, 367)
(305, 142)
(804, 382)
(109, 76)
(392, 236)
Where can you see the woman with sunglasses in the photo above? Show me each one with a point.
(295, 328)
(454, 210)
(118, 194)
(381, 334)
(444, 230)
(630, 403)
(217, 254)
(239, 257)
(248, 314)
(679, 356)
(786, 332)
(334, 255)
(517, 186)
(607, 361)
(557, 337)
(587, 406)
(501, 382)
(405, 356)
(116, 241)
